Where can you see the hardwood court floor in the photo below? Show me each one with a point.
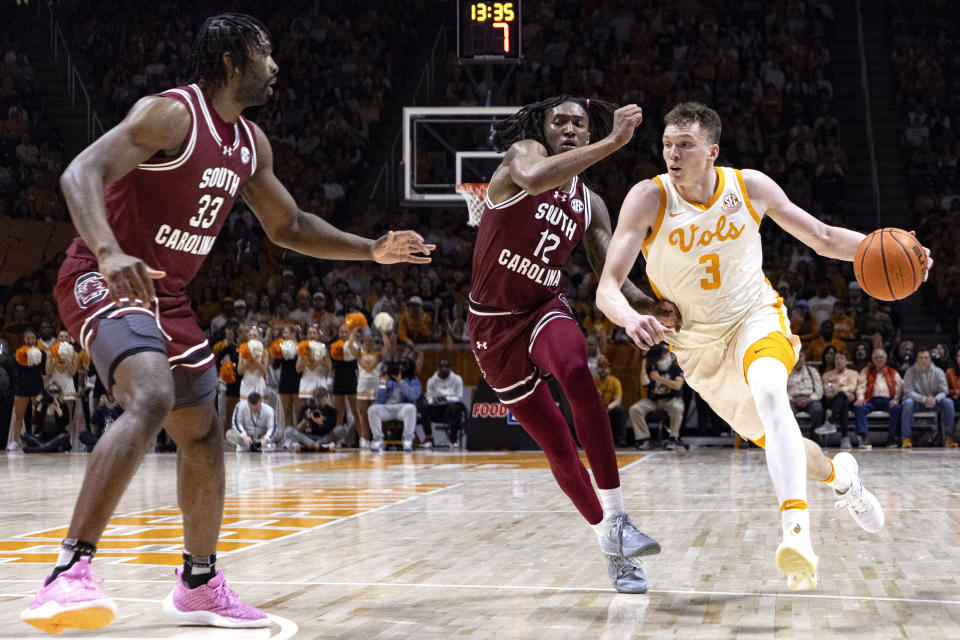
(432, 545)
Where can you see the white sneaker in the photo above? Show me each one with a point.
(862, 505)
(796, 559)
(825, 429)
(407, 446)
(364, 444)
(14, 447)
(376, 446)
(241, 449)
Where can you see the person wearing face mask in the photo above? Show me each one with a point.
(664, 382)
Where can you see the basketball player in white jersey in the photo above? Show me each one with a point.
(698, 227)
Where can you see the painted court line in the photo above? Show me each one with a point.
(513, 587)
(344, 519)
(147, 544)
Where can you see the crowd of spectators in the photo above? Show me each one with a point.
(30, 154)
(337, 60)
(926, 66)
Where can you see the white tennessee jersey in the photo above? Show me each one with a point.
(707, 259)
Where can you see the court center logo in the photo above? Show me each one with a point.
(731, 203)
(89, 289)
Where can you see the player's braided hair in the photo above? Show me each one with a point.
(527, 124)
(237, 33)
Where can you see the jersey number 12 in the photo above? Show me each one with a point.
(545, 237)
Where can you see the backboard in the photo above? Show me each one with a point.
(445, 146)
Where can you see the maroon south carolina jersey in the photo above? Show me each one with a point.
(168, 210)
(523, 244)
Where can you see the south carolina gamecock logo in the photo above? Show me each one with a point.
(89, 289)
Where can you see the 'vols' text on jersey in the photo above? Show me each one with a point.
(169, 210)
(707, 258)
(523, 244)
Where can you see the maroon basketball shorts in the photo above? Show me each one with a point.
(110, 333)
(502, 342)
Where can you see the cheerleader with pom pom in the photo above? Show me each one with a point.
(253, 364)
(368, 377)
(30, 364)
(61, 367)
(283, 351)
(313, 363)
(228, 356)
(344, 353)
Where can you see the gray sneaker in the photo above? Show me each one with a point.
(825, 429)
(845, 443)
(623, 539)
(626, 574)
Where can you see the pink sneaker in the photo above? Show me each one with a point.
(213, 604)
(71, 601)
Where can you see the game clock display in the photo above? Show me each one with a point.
(488, 31)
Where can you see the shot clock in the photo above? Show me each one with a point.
(488, 31)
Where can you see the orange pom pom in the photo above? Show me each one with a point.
(355, 321)
(228, 372)
(21, 355)
(336, 350)
(244, 351)
(55, 350)
(84, 358)
(303, 349)
(276, 349)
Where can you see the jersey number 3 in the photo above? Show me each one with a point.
(712, 261)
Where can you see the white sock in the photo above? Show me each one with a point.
(597, 528)
(841, 479)
(793, 517)
(66, 555)
(612, 501)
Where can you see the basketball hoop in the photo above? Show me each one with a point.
(475, 195)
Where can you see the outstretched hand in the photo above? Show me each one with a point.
(399, 246)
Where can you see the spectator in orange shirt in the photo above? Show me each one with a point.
(843, 325)
(826, 338)
(611, 390)
(413, 326)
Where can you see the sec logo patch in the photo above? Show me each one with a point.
(576, 205)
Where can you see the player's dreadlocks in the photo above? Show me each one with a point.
(527, 124)
(237, 33)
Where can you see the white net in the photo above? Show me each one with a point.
(475, 194)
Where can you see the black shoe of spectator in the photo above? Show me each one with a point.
(670, 445)
(643, 445)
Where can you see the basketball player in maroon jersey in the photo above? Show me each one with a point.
(521, 328)
(148, 199)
